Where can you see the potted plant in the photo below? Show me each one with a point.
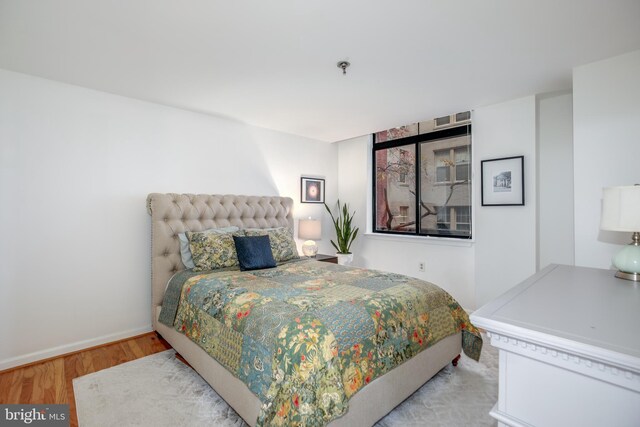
(345, 233)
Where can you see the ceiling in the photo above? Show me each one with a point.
(273, 63)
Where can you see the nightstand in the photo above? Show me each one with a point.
(327, 258)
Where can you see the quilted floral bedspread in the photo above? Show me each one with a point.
(306, 335)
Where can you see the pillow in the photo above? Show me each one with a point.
(283, 246)
(212, 250)
(254, 252)
(185, 251)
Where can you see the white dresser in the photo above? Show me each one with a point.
(569, 345)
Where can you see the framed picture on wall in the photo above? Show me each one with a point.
(311, 190)
(502, 181)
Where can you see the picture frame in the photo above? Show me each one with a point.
(311, 190)
(502, 181)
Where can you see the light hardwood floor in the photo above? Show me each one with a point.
(49, 381)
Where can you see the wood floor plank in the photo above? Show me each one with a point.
(59, 382)
(127, 351)
(16, 386)
(5, 386)
(145, 345)
(42, 377)
(158, 344)
(87, 362)
(135, 348)
(28, 372)
(73, 368)
(100, 358)
(27, 386)
(116, 355)
(37, 391)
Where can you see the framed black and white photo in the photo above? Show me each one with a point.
(311, 190)
(502, 181)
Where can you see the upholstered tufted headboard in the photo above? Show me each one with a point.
(175, 213)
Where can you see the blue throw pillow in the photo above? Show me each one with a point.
(254, 252)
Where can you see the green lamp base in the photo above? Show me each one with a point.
(627, 261)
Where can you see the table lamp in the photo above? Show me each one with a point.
(310, 230)
(621, 212)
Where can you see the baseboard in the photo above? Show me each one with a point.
(69, 348)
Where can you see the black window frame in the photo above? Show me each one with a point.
(416, 141)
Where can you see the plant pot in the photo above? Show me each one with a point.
(345, 259)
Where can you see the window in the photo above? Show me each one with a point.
(463, 218)
(452, 162)
(443, 218)
(462, 157)
(443, 121)
(404, 211)
(395, 173)
(452, 120)
(443, 165)
(422, 182)
(464, 116)
(453, 220)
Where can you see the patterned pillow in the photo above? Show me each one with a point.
(212, 250)
(185, 251)
(283, 246)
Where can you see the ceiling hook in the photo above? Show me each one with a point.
(343, 65)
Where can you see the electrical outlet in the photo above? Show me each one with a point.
(421, 266)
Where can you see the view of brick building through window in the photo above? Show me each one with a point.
(442, 177)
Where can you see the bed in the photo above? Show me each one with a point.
(172, 214)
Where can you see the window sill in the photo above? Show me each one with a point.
(445, 183)
(428, 240)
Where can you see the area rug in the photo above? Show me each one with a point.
(159, 391)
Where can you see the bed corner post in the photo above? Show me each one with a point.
(455, 360)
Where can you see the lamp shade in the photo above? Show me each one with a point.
(621, 208)
(310, 229)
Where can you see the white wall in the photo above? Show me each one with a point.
(505, 248)
(504, 252)
(450, 266)
(353, 172)
(573, 146)
(75, 168)
(555, 179)
(606, 117)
